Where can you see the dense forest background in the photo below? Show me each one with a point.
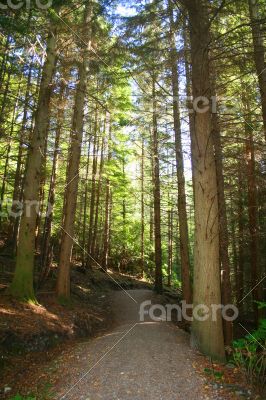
(133, 138)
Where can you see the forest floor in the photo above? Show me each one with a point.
(33, 334)
(118, 357)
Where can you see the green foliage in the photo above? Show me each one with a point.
(18, 397)
(249, 353)
(44, 392)
(215, 374)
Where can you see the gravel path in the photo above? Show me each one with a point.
(136, 361)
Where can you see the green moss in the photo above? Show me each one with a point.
(22, 288)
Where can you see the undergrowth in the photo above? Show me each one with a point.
(249, 354)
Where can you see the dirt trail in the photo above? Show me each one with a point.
(136, 361)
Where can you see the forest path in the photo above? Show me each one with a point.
(136, 361)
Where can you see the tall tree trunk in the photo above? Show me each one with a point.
(22, 285)
(223, 226)
(170, 245)
(182, 210)
(4, 104)
(84, 257)
(17, 193)
(207, 335)
(93, 189)
(4, 60)
(124, 215)
(191, 120)
(241, 258)
(98, 194)
(142, 237)
(252, 216)
(152, 202)
(63, 282)
(156, 197)
(106, 233)
(46, 250)
(42, 193)
(259, 54)
(234, 242)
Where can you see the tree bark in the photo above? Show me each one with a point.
(4, 104)
(252, 209)
(191, 120)
(223, 226)
(22, 285)
(46, 250)
(182, 210)
(106, 234)
(241, 258)
(93, 189)
(98, 194)
(4, 60)
(63, 282)
(17, 193)
(84, 257)
(142, 234)
(157, 198)
(170, 246)
(207, 335)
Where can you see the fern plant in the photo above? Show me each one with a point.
(249, 353)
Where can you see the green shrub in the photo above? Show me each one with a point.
(249, 353)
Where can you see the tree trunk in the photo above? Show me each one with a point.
(22, 285)
(124, 215)
(223, 227)
(4, 60)
(234, 241)
(252, 216)
(191, 120)
(259, 54)
(182, 210)
(207, 335)
(142, 237)
(98, 194)
(106, 234)
(157, 198)
(170, 246)
(46, 250)
(4, 104)
(17, 193)
(42, 193)
(241, 258)
(84, 257)
(63, 282)
(93, 189)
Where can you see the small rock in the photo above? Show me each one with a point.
(7, 389)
